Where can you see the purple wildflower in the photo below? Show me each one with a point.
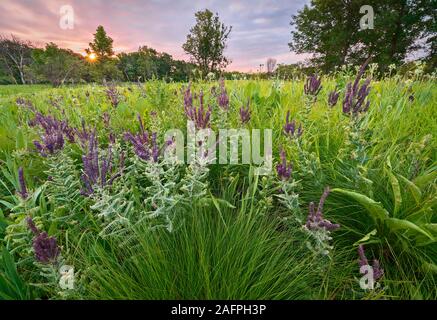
(378, 272)
(290, 128)
(313, 86)
(144, 143)
(223, 99)
(31, 225)
(46, 248)
(52, 139)
(83, 134)
(283, 169)
(96, 169)
(23, 190)
(315, 218)
(112, 94)
(106, 122)
(355, 96)
(188, 98)
(333, 97)
(245, 113)
(199, 116)
(21, 102)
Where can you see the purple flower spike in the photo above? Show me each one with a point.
(333, 98)
(31, 225)
(145, 144)
(199, 116)
(283, 169)
(188, 98)
(315, 220)
(290, 128)
(223, 99)
(378, 272)
(23, 190)
(313, 86)
(96, 170)
(113, 96)
(245, 114)
(52, 139)
(45, 248)
(355, 97)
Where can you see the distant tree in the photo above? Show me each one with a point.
(55, 65)
(15, 55)
(271, 65)
(206, 42)
(330, 30)
(101, 45)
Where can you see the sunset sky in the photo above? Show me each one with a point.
(260, 28)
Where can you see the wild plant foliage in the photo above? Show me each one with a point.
(90, 179)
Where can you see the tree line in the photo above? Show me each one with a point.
(326, 29)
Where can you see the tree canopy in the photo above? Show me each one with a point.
(330, 30)
(206, 42)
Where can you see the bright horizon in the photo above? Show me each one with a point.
(260, 28)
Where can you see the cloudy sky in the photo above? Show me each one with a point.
(260, 28)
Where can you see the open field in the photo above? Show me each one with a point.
(137, 225)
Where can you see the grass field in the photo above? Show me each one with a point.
(135, 227)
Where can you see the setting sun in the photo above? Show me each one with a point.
(92, 57)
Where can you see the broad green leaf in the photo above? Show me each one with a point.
(423, 180)
(415, 191)
(401, 224)
(375, 209)
(396, 191)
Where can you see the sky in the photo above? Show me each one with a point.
(260, 28)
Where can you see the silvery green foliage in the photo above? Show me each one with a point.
(162, 193)
(194, 183)
(63, 189)
(290, 199)
(308, 162)
(318, 228)
(319, 240)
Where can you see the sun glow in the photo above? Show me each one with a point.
(92, 56)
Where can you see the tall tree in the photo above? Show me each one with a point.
(206, 42)
(15, 56)
(105, 68)
(330, 30)
(102, 44)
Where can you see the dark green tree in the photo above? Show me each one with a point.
(56, 65)
(101, 45)
(206, 42)
(330, 30)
